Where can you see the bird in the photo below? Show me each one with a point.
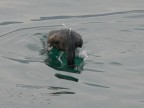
(66, 40)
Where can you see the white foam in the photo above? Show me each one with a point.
(83, 54)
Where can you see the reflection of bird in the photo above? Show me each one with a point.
(65, 40)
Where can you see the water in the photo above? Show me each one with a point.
(112, 74)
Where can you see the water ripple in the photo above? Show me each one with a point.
(62, 92)
(22, 60)
(27, 28)
(9, 22)
(96, 85)
(86, 16)
(40, 87)
(93, 70)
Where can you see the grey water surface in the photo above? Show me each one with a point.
(113, 72)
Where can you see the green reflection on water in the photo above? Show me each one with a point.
(66, 77)
(57, 60)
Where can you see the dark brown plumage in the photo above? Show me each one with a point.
(65, 40)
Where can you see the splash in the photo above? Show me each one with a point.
(83, 54)
(65, 26)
